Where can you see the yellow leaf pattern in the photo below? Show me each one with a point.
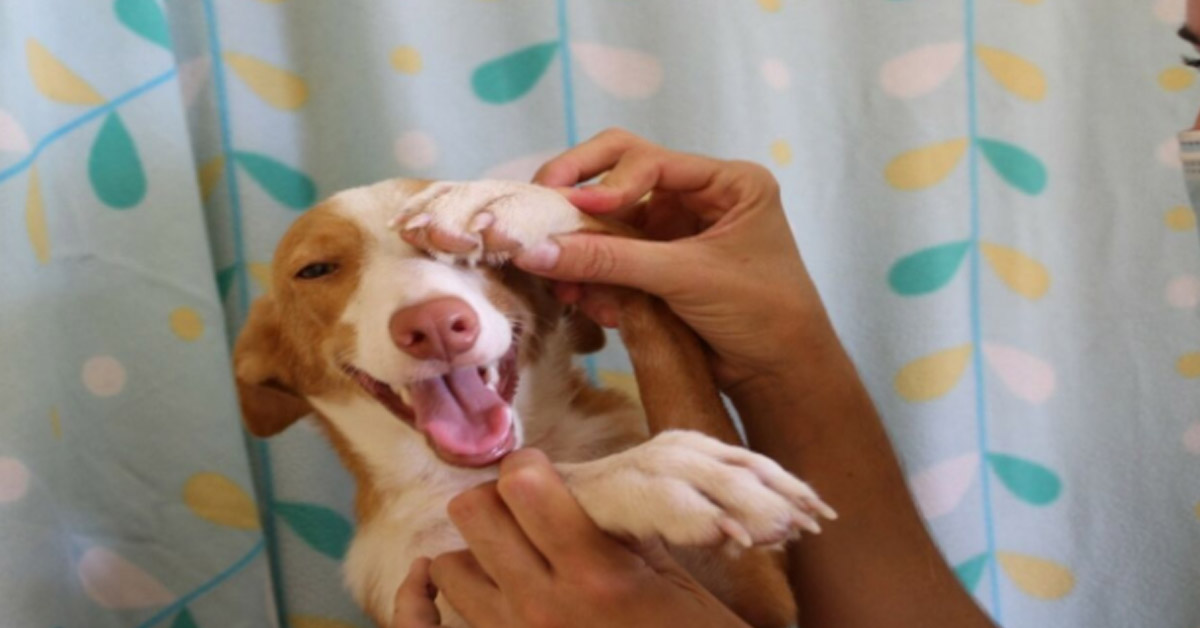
(1041, 578)
(278, 87)
(926, 166)
(209, 174)
(218, 499)
(1025, 275)
(55, 80)
(35, 219)
(934, 375)
(1016, 74)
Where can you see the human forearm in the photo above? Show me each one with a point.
(877, 565)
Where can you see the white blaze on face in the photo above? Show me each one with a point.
(395, 276)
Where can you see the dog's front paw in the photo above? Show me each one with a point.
(692, 490)
(488, 221)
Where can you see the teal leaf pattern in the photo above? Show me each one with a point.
(184, 620)
(114, 167)
(1027, 480)
(145, 18)
(285, 184)
(1015, 165)
(928, 269)
(970, 571)
(507, 78)
(323, 529)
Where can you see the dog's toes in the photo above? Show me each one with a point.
(735, 531)
(805, 521)
(451, 242)
(497, 241)
(481, 221)
(416, 233)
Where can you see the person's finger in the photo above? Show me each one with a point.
(593, 258)
(496, 540)
(550, 516)
(466, 587)
(414, 607)
(642, 170)
(634, 165)
(586, 160)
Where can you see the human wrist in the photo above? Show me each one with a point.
(802, 396)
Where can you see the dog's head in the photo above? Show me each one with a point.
(353, 310)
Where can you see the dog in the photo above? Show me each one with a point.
(393, 319)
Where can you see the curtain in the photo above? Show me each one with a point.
(987, 192)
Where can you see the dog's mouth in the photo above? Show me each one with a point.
(465, 414)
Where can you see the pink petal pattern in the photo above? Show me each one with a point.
(113, 582)
(940, 488)
(1027, 376)
(626, 74)
(921, 70)
(12, 136)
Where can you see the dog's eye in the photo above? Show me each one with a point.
(315, 270)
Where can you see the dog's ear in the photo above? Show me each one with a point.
(586, 335)
(269, 404)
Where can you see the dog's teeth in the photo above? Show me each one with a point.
(404, 394)
(492, 377)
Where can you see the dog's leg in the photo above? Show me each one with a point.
(678, 392)
(672, 370)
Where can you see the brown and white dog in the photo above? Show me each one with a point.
(423, 374)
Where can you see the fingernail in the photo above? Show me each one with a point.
(541, 256)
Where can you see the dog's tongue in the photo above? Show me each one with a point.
(462, 416)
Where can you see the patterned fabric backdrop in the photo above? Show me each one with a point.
(988, 193)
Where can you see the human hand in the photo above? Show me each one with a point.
(535, 559)
(720, 252)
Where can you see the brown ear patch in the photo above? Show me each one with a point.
(586, 335)
(269, 403)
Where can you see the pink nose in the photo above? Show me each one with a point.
(438, 329)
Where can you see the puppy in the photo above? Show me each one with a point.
(392, 319)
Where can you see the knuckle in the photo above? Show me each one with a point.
(603, 590)
(756, 173)
(599, 261)
(470, 503)
(521, 483)
(522, 458)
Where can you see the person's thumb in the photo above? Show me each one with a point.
(596, 258)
